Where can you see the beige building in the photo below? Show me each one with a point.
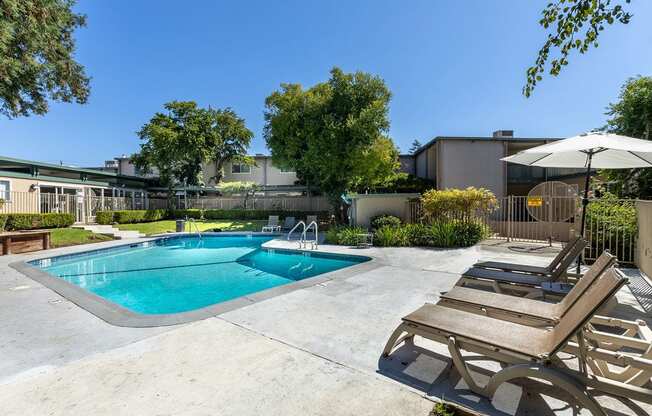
(460, 162)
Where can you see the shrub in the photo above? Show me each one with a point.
(469, 233)
(104, 217)
(385, 220)
(419, 235)
(344, 235)
(3, 221)
(459, 204)
(611, 221)
(388, 236)
(443, 234)
(15, 222)
(136, 216)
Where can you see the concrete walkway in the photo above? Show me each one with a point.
(314, 351)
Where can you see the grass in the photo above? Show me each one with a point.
(158, 227)
(62, 237)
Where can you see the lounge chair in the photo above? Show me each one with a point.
(524, 268)
(288, 223)
(272, 225)
(633, 338)
(518, 281)
(522, 310)
(525, 351)
(310, 218)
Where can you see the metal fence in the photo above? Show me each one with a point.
(85, 206)
(557, 219)
(300, 203)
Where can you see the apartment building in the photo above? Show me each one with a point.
(272, 179)
(459, 162)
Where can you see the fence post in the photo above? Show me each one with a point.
(509, 218)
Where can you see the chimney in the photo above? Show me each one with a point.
(500, 134)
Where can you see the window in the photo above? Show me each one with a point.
(240, 168)
(5, 190)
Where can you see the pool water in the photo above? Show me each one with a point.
(180, 274)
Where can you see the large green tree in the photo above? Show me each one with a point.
(572, 25)
(179, 141)
(175, 143)
(36, 56)
(324, 132)
(631, 116)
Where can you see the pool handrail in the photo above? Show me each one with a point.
(192, 221)
(305, 230)
(295, 227)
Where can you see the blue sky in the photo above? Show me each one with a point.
(454, 68)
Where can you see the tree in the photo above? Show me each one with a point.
(324, 132)
(574, 24)
(632, 116)
(416, 145)
(228, 139)
(36, 56)
(376, 166)
(176, 143)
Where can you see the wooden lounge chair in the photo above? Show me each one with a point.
(523, 310)
(527, 283)
(525, 268)
(525, 351)
(634, 338)
(272, 224)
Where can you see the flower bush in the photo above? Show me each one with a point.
(459, 204)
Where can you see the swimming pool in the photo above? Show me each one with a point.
(185, 273)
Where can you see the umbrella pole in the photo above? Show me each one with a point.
(585, 202)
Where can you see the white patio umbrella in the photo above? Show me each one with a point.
(595, 150)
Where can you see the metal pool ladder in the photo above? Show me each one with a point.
(192, 221)
(313, 243)
(300, 223)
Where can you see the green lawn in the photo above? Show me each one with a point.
(62, 237)
(159, 227)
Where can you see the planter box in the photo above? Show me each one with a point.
(23, 242)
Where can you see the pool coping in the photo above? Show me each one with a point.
(117, 315)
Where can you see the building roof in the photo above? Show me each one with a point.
(23, 162)
(485, 138)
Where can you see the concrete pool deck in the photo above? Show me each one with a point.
(313, 351)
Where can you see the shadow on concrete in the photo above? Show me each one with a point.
(434, 375)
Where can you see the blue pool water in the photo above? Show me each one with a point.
(180, 274)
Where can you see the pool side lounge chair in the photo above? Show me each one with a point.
(520, 282)
(525, 268)
(523, 310)
(288, 223)
(525, 351)
(633, 338)
(272, 224)
(310, 218)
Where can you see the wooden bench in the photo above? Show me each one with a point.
(25, 241)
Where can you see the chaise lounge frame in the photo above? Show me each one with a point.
(458, 330)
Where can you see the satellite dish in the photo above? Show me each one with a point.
(552, 201)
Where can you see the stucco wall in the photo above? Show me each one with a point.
(644, 243)
(472, 163)
(420, 164)
(365, 207)
(264, 173)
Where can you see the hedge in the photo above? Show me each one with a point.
(130, 216)
(16, 222)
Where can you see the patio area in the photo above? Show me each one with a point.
(315, 350)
